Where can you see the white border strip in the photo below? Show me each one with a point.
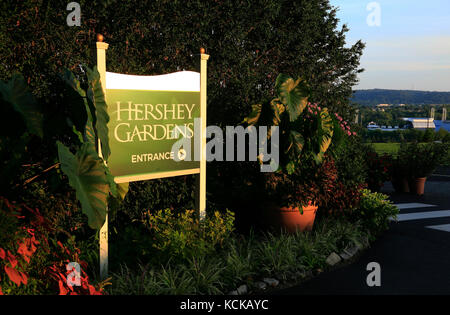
(443, 227)
(186, 81)
(423, 215)
(413, 205)
(133, 178)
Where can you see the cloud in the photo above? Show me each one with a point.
(410, 48)
(409, 66)
(408, 54)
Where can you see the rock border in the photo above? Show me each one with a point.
(334, 261)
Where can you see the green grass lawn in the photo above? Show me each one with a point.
(390, 148)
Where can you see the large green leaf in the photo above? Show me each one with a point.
(86, 173)
(89, 134)
(293, 94)
(254, 116)
(87, 120)
(75, 99)
(266, 114)
(122, 190)
(97, 98)
(16, 93)
(278, 109)
(297, 141)
(325, 134)
(118, 191)
(72, 81)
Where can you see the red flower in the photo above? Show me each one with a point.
(12, 259)
(93, 291)
(15, 276)
(62, 289)
(27, 248)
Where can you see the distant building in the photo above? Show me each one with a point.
(373, 126)
(381, 107)
(440, 124)
(443, 123)
(421, 123)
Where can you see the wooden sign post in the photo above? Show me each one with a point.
(201, 178)
(144, 113)
(103, 237)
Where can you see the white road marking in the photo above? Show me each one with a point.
(423, 215)
(443, 227)
(401, 206)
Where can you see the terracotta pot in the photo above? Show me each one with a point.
(290, 219)
(396, 184)
(404, 185)
(400, 184)
(417, 186)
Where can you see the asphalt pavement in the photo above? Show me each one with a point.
(413, 255)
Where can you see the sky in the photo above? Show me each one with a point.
(407, 43)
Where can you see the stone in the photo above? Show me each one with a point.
(300, 275)
(360, 246)
(353, 250)
(271, 282)
(261, 285)
(242, 289)
(333, 259)
(233, 293)
(349, 253)
(364, 241)
(345, 256)
(293, 275)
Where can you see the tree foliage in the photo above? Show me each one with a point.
(250, 42)
(86, 174)
(86, 170)
(381, 96)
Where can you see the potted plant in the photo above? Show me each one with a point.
(419, 161)
(305, 134)
(289, 204)
(378, 168)
(399, 175)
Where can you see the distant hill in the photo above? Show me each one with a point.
(410, 97)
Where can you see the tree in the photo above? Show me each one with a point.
(441, 134)
(250, 43)
(428, 135)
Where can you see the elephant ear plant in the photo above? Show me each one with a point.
(79, 159)
(421, 159)
(21, 121)
(87, 170)
(306, 130)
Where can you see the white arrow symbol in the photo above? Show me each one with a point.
(181, 154)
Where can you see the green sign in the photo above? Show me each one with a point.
(143, 127)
